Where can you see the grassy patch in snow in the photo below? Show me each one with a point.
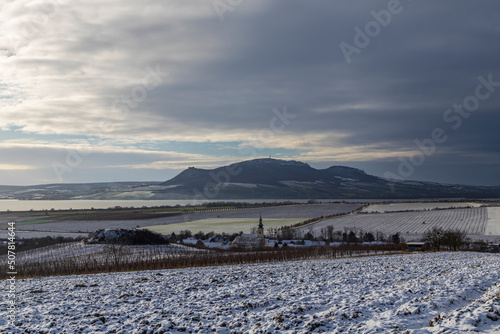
(219, 225)
(39, 221)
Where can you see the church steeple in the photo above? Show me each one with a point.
(260, 230)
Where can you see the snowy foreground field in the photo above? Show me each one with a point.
(417, 293)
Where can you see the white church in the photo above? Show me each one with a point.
(251, 240)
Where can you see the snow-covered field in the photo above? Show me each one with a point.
(392, 207)
(493, 223)
(97, 253)
(472, 220)
(417, 293)
(299, 211)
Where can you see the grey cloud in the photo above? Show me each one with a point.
(225, 77)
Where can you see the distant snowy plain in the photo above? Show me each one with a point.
(448, 292)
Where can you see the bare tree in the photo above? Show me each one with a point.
(454, 239)
(287, 233)
(329, 232)
(435, 237)
(116, 253)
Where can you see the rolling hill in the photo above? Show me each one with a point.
(273, 178)
(255, 179)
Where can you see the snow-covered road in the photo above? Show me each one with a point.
(454, 292)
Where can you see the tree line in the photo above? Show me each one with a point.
(450, 239)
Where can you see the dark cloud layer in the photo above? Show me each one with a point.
(225, 78)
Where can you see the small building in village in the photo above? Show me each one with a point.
(494, 248)
(251, 240)
(416, 246)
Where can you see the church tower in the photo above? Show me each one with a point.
(260, 230)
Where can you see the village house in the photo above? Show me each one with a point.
(416, 246)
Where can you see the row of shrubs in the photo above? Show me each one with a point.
(125, 236)
(85, 265)
(33, 243)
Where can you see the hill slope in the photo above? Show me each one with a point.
(273, 178)
(254, 179)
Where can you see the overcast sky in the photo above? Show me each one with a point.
(108, 90)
